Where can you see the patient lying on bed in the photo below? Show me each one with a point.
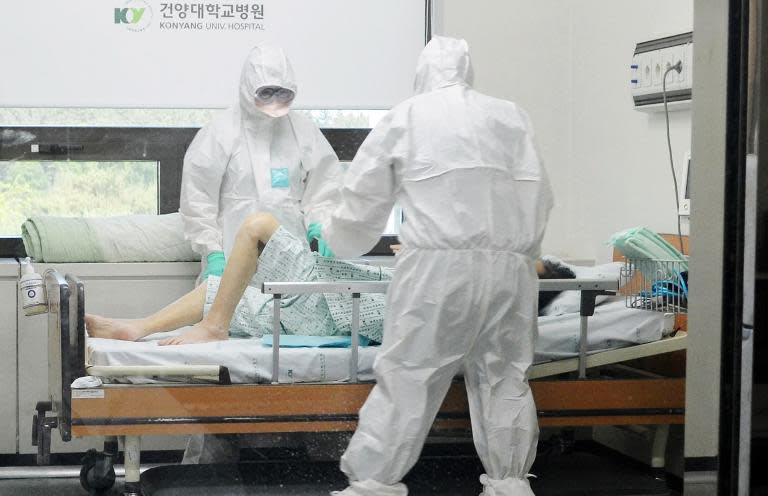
(234, 306)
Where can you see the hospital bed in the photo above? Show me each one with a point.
(565, 393)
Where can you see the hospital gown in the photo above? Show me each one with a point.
(286, 258)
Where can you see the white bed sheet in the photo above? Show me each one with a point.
(612, 326)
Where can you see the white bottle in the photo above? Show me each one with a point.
(32, 290)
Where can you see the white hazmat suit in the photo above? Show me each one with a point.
(476, 201)
(245, 161)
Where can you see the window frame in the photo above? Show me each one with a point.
(164, 145)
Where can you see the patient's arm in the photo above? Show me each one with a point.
(188, 310)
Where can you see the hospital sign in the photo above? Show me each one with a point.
(137, 15)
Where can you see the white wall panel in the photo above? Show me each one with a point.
(139, 53)
(9, 275)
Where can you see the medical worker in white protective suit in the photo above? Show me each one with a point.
(464, 168)
(255, 156)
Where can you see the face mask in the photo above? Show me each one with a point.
(274, 100)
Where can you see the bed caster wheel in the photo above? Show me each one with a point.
(97, 476)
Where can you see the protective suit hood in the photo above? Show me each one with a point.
(265, 66)
(245, 161)
(443, 62)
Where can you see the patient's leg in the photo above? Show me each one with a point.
(241, 265)
(185, 311)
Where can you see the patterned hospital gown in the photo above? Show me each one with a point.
(285, 258)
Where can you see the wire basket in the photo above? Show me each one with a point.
(657, 285)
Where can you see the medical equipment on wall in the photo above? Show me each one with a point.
(32, 290)
(650, 64)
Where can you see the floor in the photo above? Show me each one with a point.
(583, 472)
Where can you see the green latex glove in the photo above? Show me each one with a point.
(315, 231)
(215, 264)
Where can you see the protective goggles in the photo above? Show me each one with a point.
(270, 94)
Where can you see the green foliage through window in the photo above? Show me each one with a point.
(74, 189)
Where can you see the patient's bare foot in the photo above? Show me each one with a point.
(103, 327)
(202, 332)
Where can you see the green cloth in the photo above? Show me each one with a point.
(641, 244)
(60, 239)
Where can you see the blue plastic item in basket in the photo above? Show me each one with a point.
(677, 289)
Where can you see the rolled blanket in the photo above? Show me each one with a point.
(60, 239)
(128, 238)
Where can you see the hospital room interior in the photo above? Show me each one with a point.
(156, 154)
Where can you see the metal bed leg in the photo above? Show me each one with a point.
(659, 450)
(276, 302)
(586, 310)
(583, 347)
(132, 447)
(41, 431)
(355, 337)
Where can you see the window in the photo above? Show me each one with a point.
(167, 118)
(24, 150)
(72, 188)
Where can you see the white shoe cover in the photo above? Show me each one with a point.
(372, 488)
(505, 487)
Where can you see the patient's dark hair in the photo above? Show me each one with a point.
(552, 270)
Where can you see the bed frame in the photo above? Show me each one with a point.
(132, 411)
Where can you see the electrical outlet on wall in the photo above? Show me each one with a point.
(670, 56)
(649, 63)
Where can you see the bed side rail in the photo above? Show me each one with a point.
(66, 352)
(589, 288)
(354, 288)
(65, 316)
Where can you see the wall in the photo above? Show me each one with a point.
(703, 367)
(567, 64)
(9, 276)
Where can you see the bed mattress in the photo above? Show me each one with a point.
(250, 361)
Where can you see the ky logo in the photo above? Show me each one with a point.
(128, 16)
